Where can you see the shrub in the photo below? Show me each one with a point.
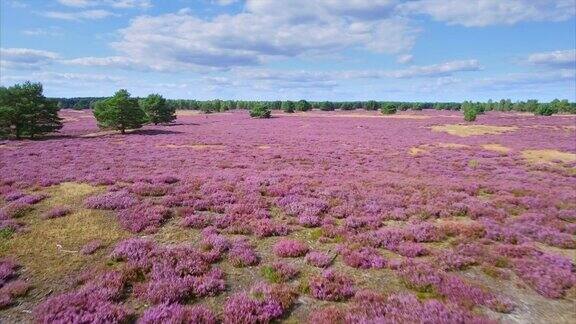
(318, 259)
(388, 108)
(242, 254)
(177, 314)
(111, 200)
(332, 286)
(288, 106)
(55, 212)
(303, 105)
(279, 272)
(143, 218)
(263, 304)
(545, 110)
(363, 258)
(266, 227)
(260, 110)
(470, 111)
(288, 248)
(91, 247)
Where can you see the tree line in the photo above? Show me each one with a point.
(26, 112)
(217, 105)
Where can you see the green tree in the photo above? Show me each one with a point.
(371, 105)
(470, 111)
(119, 112)
(157, 110)
(545, 110)
(24, 111)
(303, 105)
(288, 106)
(326, 106)
(260, 110)
(388, 108)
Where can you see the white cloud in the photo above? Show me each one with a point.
(80, 15)
(110, 61)
(142, 4)
(224, 2)
(479, 13)
(47, 31)
(180, 40)
(562, 59)
(404, 59)
(518, 81)
(25, 58)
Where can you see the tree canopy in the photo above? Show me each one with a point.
(119, 112)
(24, 111)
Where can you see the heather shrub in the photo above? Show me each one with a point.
(111, 200)
(149, 189)
(11, 290)
(453, 260)
(262, 304)
(197, 221)
(177, 314)
(362, 257)
(318, 259)
(143, 218)
(289, 248)
(550, 275)
(279, 272)
(91, 247)
(15, 209)
(55, 212)
(242, 254)
(331, 286)
(267, 228)
(412, 250)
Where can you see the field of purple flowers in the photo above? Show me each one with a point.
(320, 217)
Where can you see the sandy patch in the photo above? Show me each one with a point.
(548, 156)
(427, 147)
(496, 148)
(472, 130)
(263, 147)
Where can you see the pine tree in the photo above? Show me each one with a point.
(157, 109)
(119, 112)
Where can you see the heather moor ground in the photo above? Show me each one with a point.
(306, 217)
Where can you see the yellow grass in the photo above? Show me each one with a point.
(496, 148)
(472, 130)
(548, 156)
(427, 147)
(49, 249)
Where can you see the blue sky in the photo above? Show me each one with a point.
(418, 50)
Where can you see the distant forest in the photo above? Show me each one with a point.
(558, 106)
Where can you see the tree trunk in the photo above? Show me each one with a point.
(122, 130)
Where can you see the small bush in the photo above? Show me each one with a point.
(545, 110)
(259, 110)
(470, 111)
(332, 286)
(289, 248)
(388, 108)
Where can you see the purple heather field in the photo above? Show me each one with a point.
(316, 217)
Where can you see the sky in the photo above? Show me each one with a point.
(340, 50)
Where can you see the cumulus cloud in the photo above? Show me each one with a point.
(518, 81)
(180, 40)
(556, 59)
(479, 13)
(80, 15)
(25, 58)
(404, 59)
(143, 4)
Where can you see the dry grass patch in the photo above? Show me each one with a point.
(427, 147)
(496, 148)
(472, 130)
(548, 156)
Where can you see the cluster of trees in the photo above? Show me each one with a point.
(122, 112)
(208, 106)
(25, 111)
